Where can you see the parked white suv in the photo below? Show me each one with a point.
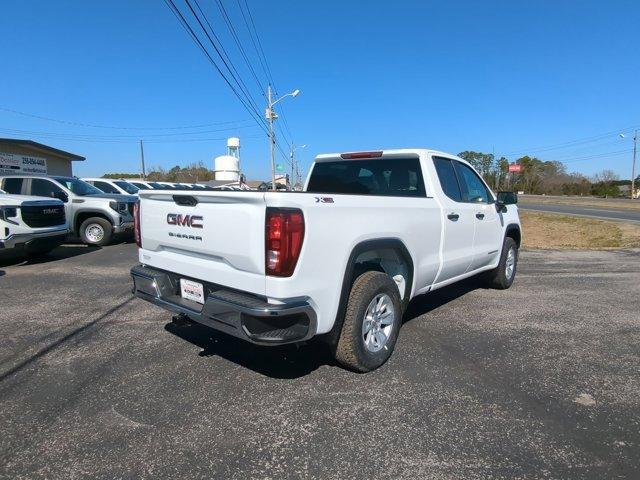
(30, 225)
(108, 185)
(340, 260)
(93, 216)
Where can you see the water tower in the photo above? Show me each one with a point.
(227, 167)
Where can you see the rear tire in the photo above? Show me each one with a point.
(503, 275)
(371, 323)
(96, 231)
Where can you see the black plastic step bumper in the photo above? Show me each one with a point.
(31, 243)
(236, 313)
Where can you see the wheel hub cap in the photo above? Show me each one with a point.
(378, 322)
(510, 263)
(95, 233)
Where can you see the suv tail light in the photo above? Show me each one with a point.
(284, 233)
(137, 234)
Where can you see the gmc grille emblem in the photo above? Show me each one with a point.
(49, 211)
(193, 221)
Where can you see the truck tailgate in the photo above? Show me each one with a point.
(219, 238)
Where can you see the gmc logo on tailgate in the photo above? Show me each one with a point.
(193, 221)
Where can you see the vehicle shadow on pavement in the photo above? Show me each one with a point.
(428, 302)
(294, 361)
(59, 253)
(285, 362)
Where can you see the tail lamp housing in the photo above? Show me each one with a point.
(137, 233)
(284, 234)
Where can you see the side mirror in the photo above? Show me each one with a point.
(507, 198)
(61, 196)
(504, 199)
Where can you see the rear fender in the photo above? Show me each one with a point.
(358, 263)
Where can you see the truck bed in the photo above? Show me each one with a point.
(229, 248)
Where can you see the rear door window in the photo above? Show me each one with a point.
(12, 185)
(397, 177)
(448, 179)
(105, 187)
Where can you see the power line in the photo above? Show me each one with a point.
(259, 42)
(79, 124)
(227, 62)
(73, 138)
(236, 38)
(571, 143)
(137, 137)
(597, 155)
(265, 69)
(256, 116)
(257, 45)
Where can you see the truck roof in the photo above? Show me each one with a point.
(396, 152)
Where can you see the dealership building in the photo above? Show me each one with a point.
(20, 157)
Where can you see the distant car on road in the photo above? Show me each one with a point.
(108, 185)
(30, 225)
(93, 215)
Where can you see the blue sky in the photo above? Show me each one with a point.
(511, 77)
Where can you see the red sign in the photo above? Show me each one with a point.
(515, 168)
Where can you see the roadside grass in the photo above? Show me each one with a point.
(615, 203)
(550, 230)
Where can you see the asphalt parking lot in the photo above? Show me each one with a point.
(539, 381)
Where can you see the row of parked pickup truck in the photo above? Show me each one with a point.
(38, 213)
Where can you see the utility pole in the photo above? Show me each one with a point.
(633, 167)
(144, 174)
(293, 168)
(295, 173)
(271, 116)
(272, 141)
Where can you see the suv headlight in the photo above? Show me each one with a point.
(9, 212)
(119, 207)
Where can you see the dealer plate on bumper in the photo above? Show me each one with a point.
(190, 290)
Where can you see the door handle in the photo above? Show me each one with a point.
(480, 216)
(453, 217)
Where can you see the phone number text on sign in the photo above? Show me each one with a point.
(11, 163)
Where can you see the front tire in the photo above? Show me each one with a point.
(503, 275)
(96, 231)
(371, 323)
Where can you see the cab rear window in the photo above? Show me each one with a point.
(12, 185)
(396, 177)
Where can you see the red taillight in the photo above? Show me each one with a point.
(136, 224)
(284, 234)
(356, 155)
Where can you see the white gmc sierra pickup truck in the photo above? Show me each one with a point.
(340, 260)
(30, 225)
